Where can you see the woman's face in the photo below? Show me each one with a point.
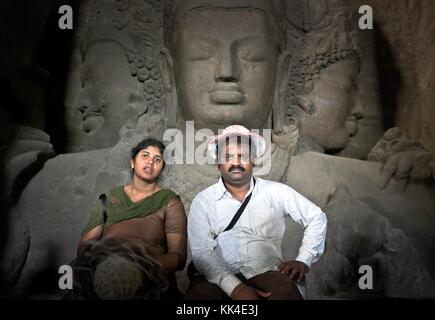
(148, 164)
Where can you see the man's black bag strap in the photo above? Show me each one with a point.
(239, 212)
(103, 199)
(191, 270)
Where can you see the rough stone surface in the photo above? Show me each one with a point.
(366, 184)
(55, 225)
(356, 213)
(405, 41)
(45, 225)
(359, 236)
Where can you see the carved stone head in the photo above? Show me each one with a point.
(119, 76)
(329, 112)
(323, 87)
(222, 62)
(108, 93)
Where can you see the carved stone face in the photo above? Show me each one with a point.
(333, 117)
(106, 90)
(225, 64)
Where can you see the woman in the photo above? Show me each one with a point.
(133, 247)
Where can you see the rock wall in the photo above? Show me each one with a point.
(405, 66)
(405, 41)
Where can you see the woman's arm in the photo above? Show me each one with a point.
(176, 237)
(175, 259)
(91, 234)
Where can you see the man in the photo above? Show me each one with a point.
(245, 262)
(64, 194)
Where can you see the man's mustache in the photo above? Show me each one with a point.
(232, 168)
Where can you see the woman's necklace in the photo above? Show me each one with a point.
(136, 199)
(132, 194)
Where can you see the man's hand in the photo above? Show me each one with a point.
(295, 269)
(244, 292)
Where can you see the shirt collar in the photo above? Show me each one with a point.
(221, 190)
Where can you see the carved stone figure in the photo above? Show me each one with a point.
(403, 158)
(119, 78)
(225, 71)
(212, 80)
(328, 115)
(110, 96)
(327, 39)
(323, 85)
(320, 34)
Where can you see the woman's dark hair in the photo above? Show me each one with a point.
(150, 142)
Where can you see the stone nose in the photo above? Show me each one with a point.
(226, 69)
(357, 110)
(89, 101)
(83, 103)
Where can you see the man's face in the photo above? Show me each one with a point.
(225, 68)
(106, 87)
(235, 164)
(336, 107)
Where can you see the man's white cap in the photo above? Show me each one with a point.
(235, 131)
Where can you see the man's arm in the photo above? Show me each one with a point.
(314, 222)
(202, 245)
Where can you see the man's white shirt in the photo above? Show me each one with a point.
(253, 245)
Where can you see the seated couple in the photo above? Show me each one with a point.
(136, 238)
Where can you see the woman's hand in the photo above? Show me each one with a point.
(175, 259)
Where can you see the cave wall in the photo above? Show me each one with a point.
(401, 51)
(21, 25)
(405, 42)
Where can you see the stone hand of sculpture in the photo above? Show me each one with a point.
(23, 148)
(394, 141)
(402, 158)
(417, 165)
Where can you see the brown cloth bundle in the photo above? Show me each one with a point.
(113, 268)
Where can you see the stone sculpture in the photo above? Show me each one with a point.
(211, 67)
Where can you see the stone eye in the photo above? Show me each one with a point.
(201, 50)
